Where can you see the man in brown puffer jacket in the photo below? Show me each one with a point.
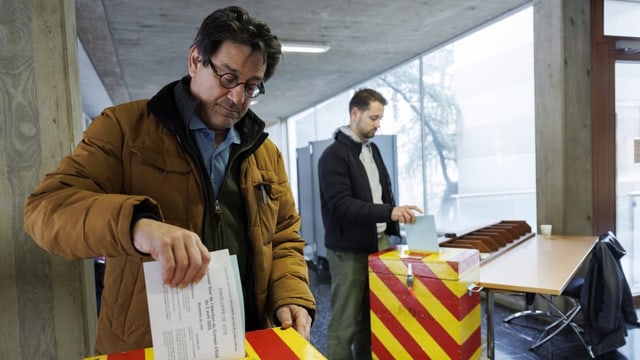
(172, 178)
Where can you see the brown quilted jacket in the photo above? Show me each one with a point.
(129, 157)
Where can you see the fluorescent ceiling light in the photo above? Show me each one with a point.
(304, 47)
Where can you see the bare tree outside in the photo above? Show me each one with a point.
(432, 122)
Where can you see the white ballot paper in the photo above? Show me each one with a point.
(201, 321)
(422, 235)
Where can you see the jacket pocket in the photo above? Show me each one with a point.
(164, 177)
(268, 193)
(160, 161)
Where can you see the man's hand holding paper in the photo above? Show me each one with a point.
(204, 320)
(183, 257)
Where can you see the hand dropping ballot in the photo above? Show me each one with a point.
(422, 234)
(201, 321)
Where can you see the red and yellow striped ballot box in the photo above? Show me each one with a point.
(421, 307)
(274, 343)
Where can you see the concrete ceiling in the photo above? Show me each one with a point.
(136, 46)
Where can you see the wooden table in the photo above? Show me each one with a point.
(537, 265)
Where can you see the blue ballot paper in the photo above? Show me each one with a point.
(422, 235)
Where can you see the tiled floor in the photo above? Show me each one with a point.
(512, 340)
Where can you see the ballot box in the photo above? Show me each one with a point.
(423, 305)
(274, 343)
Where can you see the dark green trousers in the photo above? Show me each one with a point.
(349, 329)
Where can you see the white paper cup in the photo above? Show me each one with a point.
(545, 230)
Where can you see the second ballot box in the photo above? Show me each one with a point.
(422, 306)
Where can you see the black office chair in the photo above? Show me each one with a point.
(532, 308)
(565, 318)
(602, 296)
(605, 297)
(560, 319)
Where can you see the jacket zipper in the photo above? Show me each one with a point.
(218, 217)
(217, 210)
(209, 197)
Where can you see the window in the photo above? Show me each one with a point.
(463, 116)
(621, 18)
(627, 105)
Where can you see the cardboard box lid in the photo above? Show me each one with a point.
(446, 264)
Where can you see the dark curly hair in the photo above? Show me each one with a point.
(234, 23)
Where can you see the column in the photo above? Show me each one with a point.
(47, 304)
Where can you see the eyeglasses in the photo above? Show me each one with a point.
(230, 81)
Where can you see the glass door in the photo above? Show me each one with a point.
(627, 109)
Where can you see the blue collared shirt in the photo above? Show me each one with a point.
(215, 157)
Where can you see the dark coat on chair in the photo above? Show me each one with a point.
(607, 303)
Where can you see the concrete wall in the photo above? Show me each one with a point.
(47, 309)
(563, 115)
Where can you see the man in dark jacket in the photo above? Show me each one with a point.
(359, 215)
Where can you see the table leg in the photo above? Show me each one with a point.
(489, 324)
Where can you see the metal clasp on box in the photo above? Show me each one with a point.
(474, 288)
(409, 277)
